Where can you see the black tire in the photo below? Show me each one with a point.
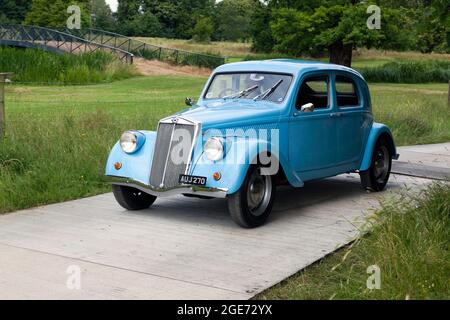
(245, 213)
(376, 178)
(132, 198)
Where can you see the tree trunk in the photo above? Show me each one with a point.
(341, 54)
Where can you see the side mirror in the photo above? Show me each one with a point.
(309, 107)
(189, 101)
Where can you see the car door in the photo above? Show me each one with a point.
(312, 134)
(351, 121)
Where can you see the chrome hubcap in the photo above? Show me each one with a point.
(381, 165)
(258, 193)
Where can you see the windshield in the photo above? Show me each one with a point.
(257, 86)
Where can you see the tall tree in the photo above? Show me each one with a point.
(203, 30)
(179, 17)
(134, 19)
(127, 10)
(53, 13)
(233, 18)
(433, 26)
(13, 11)
(260, 27)
(338, 28)
(102, 15)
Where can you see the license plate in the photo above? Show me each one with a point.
(192, 180)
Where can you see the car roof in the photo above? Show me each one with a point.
(292, 66)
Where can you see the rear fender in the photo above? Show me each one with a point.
(378, 130)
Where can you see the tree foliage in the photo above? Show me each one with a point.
(166, 18)
(103, 18)
(53, 13)
(260, 29)
(294, 27)
(337, 27)
(203, 30)
(133, 19)
(13, 11)
(232, 19)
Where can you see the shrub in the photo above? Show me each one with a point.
(203, 30)
(33, 65)
(409, 72)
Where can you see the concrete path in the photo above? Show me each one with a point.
(181, 248)
(431, 161)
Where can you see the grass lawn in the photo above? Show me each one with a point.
(408, 241)
(223, 48)
(236, 51)
(58, 137)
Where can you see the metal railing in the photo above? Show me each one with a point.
(148, 51)
(55, 40)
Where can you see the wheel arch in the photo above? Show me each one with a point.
(251, 151)
(284, 172)
(379, 131)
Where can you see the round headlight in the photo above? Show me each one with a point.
(214, 149)
(128, 142)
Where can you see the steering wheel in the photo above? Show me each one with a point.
(224, 92)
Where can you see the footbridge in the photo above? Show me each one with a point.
(56, 41)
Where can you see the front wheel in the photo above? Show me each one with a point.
(251, 205)
(132, 198)
(376, 178)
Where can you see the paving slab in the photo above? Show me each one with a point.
(180, 248)
(433, 155)
(426, 161)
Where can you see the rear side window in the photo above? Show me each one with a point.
(314, 90)
(346, 92)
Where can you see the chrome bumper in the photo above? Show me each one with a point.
(162, 192)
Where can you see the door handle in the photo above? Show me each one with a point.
(296, 114)
(337, 114)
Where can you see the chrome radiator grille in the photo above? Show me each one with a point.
(165, 171)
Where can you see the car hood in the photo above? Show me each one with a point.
(230, 113)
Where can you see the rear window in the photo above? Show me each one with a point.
(346, 92)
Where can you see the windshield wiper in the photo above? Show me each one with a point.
(242, 93)
(269, 91)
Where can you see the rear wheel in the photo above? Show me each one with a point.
(251, 205)
(132, 198)
(376, 178)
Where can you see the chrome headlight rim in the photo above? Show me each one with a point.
(214, 149)
(129, 141)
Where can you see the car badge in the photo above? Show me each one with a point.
(174, 120)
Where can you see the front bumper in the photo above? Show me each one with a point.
(162, 192)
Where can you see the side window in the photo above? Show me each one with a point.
(314, 90)
(346, 92)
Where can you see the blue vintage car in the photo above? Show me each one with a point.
(256, 125)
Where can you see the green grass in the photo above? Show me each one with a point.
(238, 51)
(58, 137)
(409, 241)
(416, 114)
(46, 67)
(222, 48)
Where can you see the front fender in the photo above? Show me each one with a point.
(136, 165)
(376, 132)
(233, 168)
